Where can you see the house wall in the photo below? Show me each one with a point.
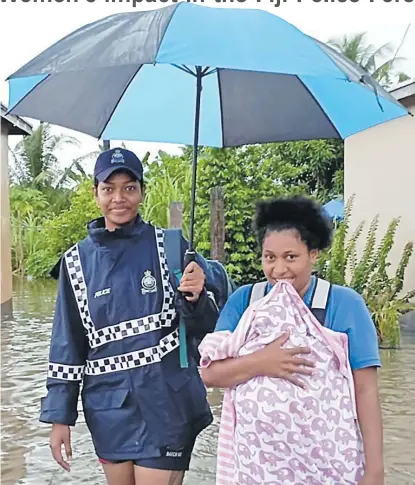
(5, 264)
(380, 173)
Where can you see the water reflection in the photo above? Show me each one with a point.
(397, 381)
(25, 456)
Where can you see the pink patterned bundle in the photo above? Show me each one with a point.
(273, 432)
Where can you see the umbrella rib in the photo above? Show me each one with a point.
(9, 110)
(119, 100)
(206, 72)
(185, 69)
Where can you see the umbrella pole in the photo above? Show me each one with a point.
(191, 253)
(199, 76)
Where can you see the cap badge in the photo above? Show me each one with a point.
(117, 157)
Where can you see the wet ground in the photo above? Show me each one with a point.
(25, 456)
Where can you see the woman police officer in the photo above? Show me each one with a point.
(115, 330)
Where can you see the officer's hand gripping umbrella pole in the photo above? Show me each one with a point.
(191, 253)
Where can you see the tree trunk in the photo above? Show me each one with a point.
(217, 224)
(176, 215)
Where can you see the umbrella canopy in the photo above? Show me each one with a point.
(139, 76)
(335, 209)
(133, 76)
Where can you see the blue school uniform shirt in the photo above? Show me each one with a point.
(346, 312)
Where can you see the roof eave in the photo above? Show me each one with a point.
(15, 124)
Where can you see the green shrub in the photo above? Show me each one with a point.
(26, 206)
(60, 232)
(167, 179)
(369, 275)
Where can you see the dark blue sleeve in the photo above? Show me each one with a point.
(67, 355)
(347, 312)
(234, 309)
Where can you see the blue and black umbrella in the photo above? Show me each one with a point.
(198, 75)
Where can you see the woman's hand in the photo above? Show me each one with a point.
(271, 361)
(274, 361)
(193, 281)
(61, 435)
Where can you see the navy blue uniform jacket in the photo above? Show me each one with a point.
(115, 330)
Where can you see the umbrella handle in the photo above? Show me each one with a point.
(189, 256)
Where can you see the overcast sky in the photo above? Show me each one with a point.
(26, 29)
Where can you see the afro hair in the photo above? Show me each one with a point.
(299, 213)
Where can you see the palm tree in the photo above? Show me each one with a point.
(35, 161)
(379, 62)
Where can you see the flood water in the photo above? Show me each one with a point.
(25, 456)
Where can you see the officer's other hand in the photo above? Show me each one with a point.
(193, 281)
(61, 435)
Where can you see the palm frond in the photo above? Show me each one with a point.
(382, 51)
(355, 48)
(352, 46)
(402, 77)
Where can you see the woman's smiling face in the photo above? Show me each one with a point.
(286, 257)
(119, 198)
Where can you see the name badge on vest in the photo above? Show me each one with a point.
(148, 283)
